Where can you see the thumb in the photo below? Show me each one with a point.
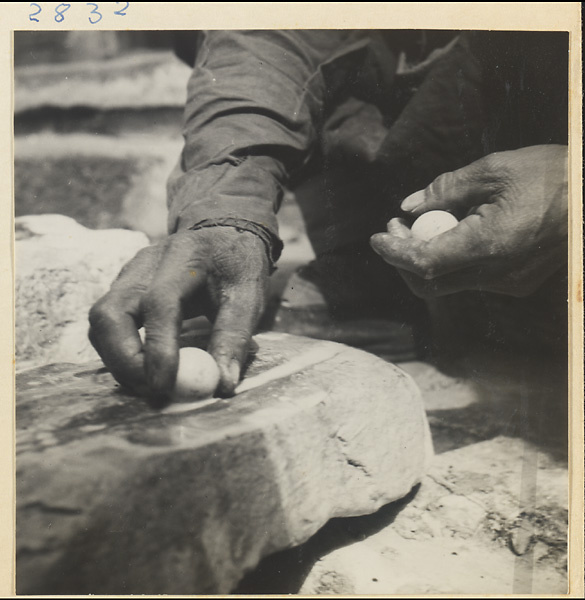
(456, 191)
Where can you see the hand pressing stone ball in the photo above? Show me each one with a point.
(433, 223)
(197, 376)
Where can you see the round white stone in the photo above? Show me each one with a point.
(433, 223)
(197, 376)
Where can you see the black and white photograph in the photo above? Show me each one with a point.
(292, 309)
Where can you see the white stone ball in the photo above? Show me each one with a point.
(433, 223)
(197, 376)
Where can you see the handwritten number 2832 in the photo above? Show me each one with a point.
(60, 10)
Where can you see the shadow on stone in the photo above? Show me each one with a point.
(284, 572)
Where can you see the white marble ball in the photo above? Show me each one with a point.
(432, 224)
(197, 376)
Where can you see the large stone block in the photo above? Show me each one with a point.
(490, 516)
(114, 497)
(62, 268)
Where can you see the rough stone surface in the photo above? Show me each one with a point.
(459, 531)
(489, 517)
(62, 268)
(116, 498)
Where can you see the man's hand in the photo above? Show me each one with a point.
(218, 272)
(512, 233)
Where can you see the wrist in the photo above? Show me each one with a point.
(272, 244)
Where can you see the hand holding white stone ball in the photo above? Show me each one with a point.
(197, 376)
(432, 224)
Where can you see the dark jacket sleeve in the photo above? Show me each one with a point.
(525, 87)
(256, 102)
(490, 92)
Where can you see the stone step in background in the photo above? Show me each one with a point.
(131, 82)
(96, 140)
(103, 182)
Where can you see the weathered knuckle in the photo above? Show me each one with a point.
(440, 184)
(495, 172)
(155, 344)
(493, 162)
(102, 312)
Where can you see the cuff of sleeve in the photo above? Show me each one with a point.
(273, 244)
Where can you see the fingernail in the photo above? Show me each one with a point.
(413, 201)
(234, 371)
(229, 381)
(254, 348)
(374, 242)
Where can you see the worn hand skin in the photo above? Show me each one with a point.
(218, 272)
(512, 235)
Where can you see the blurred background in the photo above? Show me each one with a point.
(97, 126)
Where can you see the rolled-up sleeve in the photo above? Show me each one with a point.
(254, 110)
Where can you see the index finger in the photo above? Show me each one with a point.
(115, 320)
(114, 334)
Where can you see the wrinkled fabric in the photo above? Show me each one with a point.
(256, 101)
(391, 110)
